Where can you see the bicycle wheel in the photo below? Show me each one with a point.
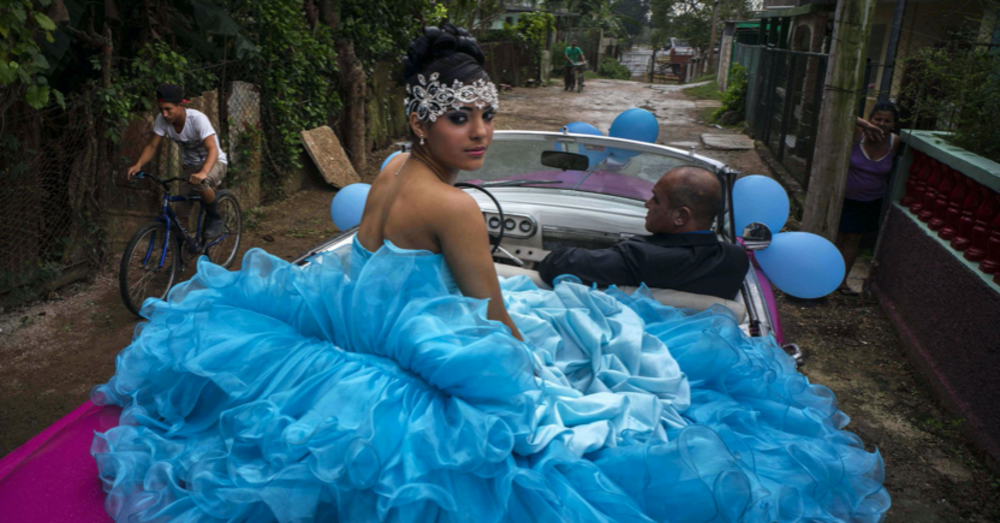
(222, 250)
(148, 267)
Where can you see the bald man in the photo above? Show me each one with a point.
(681, 254)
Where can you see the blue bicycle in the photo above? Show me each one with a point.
(158, 252)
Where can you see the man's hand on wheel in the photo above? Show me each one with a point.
(197, 178)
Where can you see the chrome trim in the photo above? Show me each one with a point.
(516, 232)
(713, 165)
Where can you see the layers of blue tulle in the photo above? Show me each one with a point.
(281, 393)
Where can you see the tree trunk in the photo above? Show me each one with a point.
(351, 85)
(825, 195)
(352, 93)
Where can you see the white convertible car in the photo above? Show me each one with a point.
(540, 191)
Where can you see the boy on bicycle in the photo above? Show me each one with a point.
(202, 158)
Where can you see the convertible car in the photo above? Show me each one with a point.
(538, 191)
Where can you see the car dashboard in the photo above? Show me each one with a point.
(538, 221)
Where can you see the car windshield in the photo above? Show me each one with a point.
(680, 43)
(567, 162)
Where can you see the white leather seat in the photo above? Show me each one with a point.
(679, 299)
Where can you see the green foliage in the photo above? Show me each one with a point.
(437, 14)
(474, 15)
(132, 87)
(637, 16)
(381, 29)
(534, 28)
(735, 97)
(691, 20)
(708, 91)
(956, 88)
(558, 61)
(298, 66)
(611, 68)
(22, 66)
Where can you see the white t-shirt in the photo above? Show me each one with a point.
(191, 139)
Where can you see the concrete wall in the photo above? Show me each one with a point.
(949, 320)
(945, 308)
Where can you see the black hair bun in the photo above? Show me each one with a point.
(437, 43)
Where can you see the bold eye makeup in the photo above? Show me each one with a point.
(458, 117)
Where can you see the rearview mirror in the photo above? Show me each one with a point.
(565, 161)
(756, 236)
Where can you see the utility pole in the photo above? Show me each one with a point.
(711, 40)
(890, 54)
(825, 194)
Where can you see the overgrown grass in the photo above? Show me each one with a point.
(709, 91)
(704, 78)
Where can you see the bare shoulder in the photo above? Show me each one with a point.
(454, 204)
(395, 163)
(451, 207)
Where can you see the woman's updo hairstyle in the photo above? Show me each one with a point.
(447, 50)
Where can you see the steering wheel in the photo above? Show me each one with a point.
(499, 237)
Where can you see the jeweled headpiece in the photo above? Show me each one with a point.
(431, 100)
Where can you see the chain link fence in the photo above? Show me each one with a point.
(49, 198)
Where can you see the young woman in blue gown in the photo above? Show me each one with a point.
(410, 385)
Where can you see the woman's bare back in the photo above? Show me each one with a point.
(401, 205)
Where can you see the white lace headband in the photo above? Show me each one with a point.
(431, 100)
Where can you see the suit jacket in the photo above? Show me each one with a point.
(691, 262)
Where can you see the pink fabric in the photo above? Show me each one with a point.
(52, 477)
(614, 184)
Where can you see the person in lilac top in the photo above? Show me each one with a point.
(875, 146)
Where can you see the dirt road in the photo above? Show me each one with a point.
(52, 353)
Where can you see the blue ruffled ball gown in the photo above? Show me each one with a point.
(368, 389)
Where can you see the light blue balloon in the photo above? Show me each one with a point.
(348, 205)
(595, 156)
(759, 199)
(802, 264)
(388, 159)
(634, 124)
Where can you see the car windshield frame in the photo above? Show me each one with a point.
(550, 141)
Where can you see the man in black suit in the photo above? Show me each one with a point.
(682, 253)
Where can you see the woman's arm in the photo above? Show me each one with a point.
(466, 248)
(867, 127)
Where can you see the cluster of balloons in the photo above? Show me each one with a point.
(801, 264)
(634, 124)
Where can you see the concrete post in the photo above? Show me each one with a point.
(825, 194)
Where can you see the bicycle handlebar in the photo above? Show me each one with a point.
(144, 174)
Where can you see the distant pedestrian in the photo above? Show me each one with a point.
(875, 146)
(574, 56)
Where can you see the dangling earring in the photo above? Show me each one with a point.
(421, 140)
